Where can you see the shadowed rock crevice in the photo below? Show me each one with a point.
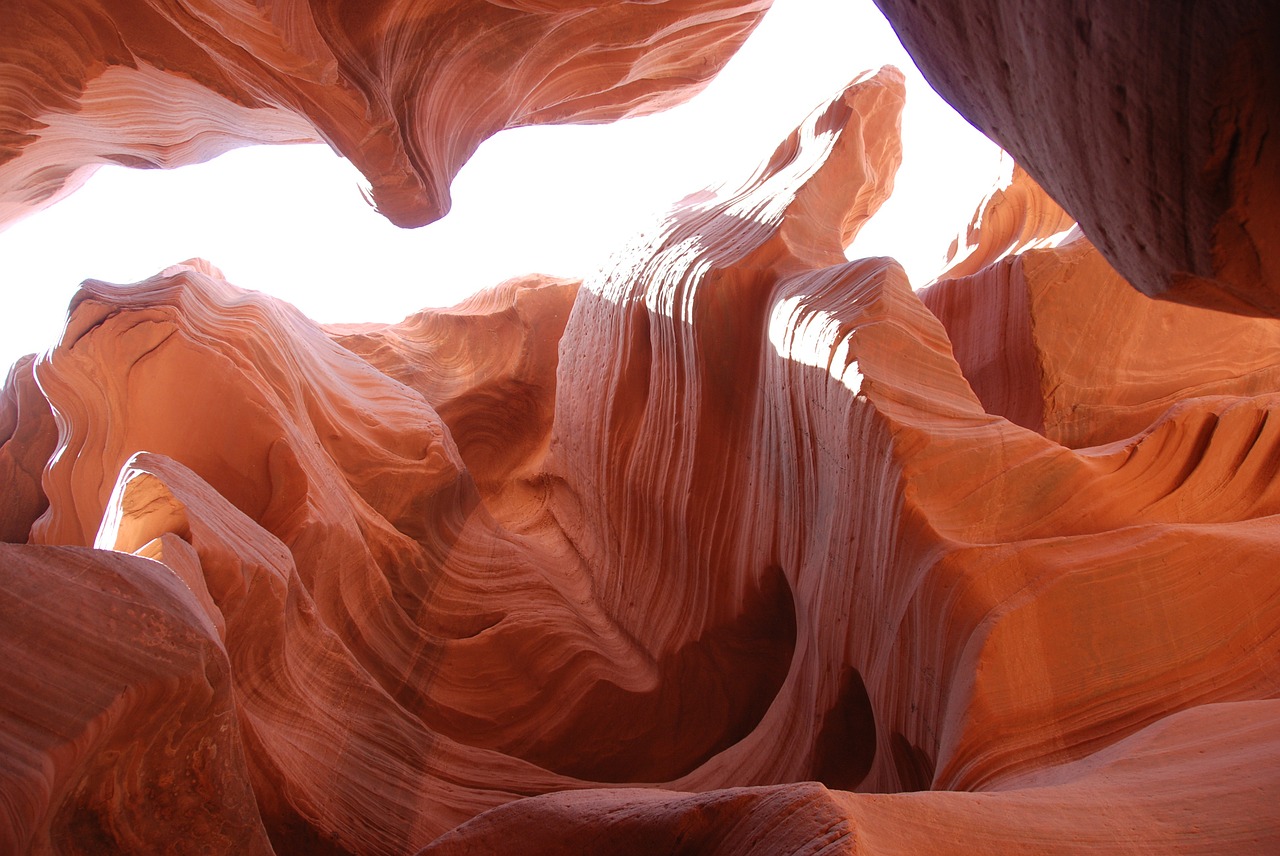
(846, 745)
(711, 693)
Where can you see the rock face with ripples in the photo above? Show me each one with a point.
(736, 547)
(407, 92)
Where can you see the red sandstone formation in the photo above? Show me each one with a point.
(1030, 307)
(28, 436)
(488, 367)
(118, 726)
(1083, 807)
(405, 91)
(737, 547)
(1154, 127)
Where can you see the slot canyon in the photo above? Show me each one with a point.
(737, 547)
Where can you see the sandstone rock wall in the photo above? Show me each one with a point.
(736, 547)
(1153, 126)
(1053, 339)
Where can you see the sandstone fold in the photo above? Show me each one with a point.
(335, 541)
(118, 728)
(737, 546)
(1172, 782)
(406, 92)
(775, 410)
(488, 367)
(27, 438)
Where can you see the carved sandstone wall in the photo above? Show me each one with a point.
(736, 547)
(406, 91)
(1152, 126)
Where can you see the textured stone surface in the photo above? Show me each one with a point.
(735, 547)
(118, 727)
(341, 545)
(407, 92)
(27, 439)
(488, 367)
(1172, 782)
(1052, 338)
(1153, 126)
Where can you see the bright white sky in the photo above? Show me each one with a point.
(290, 220)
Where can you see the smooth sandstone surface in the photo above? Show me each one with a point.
(738, 546)
(1030, 307)
(118, 728)
(1086, 807)
(405, 91)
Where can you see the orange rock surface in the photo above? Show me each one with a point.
(406, 92)
(138, 746)
(1030, 308)
(28, 436)
(736, 547)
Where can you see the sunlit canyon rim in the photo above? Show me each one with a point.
(738, 547)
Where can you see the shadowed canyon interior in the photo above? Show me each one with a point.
(736, 547)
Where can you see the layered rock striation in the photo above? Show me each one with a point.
(738, 546)
(406, 92)
(1030, 307)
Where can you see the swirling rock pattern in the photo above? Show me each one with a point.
(27, 439)
(1153, 127)
(488, 367)
(407, 92)
(118, 728)
(736, 547)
